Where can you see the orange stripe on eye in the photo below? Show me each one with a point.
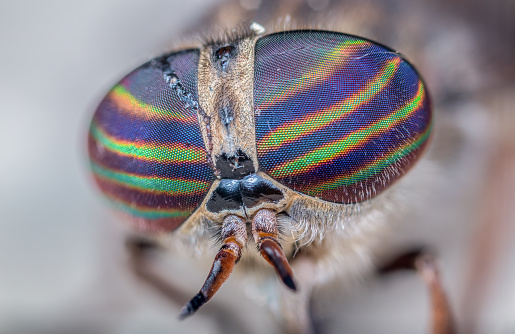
(340, 147)
(150, 184)
(130, 105)
(371, 168)
(313, 122)
(333, 60)
(167, 153)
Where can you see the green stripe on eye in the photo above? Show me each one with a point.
(127, 103)
(173, 186)
(314, 122)
(150, 152)
(373, 168)
(311, 76)
(341, 147)
(149, 213)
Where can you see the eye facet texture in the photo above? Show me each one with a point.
(337, 117)
(146, 148)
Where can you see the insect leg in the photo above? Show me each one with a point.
(425, 264)
(266, 231)
(234, 236)
(141, 252)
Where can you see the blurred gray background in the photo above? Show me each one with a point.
(62, 265)
(57, 60)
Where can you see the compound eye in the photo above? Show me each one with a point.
(337, 117)
(145, 145)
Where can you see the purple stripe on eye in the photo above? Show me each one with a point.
(140, 199)
(114, 160)
(122, 125)
(328, 104)
(146, 147)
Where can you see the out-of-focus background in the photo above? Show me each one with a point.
(57, 59)
(62, 261)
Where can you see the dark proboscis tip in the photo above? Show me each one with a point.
(219, 273)
(272, 253)
(192, 306)
(288, 280)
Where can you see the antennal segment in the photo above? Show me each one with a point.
(234, 236)
(265, 231)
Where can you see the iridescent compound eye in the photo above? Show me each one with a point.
(145, 144)
(337, 117)
(239, 131)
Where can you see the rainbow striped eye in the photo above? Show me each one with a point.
(334, 117)
(145, 144)
(337, 117)
(239, 131)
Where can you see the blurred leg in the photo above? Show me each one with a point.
(425, 265)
